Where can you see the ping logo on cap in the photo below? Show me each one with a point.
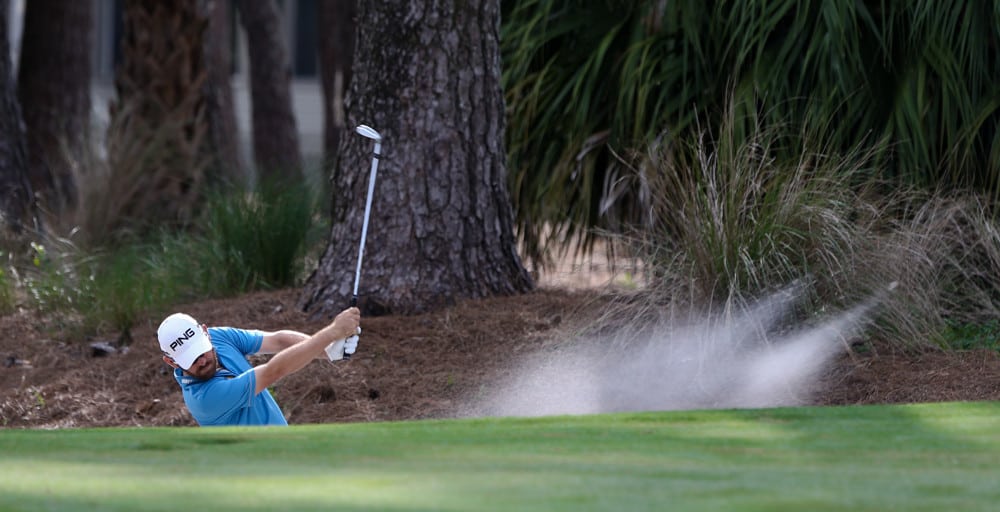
(179, 342)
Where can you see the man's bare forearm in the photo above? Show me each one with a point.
(300, 354)
(277, 341)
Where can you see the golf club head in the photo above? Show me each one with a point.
(368, 131)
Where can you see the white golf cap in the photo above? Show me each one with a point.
(182, 339)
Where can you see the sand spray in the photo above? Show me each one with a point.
(732, 359)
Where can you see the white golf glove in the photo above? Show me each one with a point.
(351, 344)
(343, 349)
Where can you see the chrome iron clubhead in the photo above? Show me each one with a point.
(369, 132)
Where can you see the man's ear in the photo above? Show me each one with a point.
(170, 362)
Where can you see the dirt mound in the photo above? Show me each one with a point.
(406, 368)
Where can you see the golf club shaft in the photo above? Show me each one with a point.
(364, 225)
(367, 132)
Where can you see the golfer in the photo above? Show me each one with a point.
(219, 384)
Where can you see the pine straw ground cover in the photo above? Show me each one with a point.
(414, 367)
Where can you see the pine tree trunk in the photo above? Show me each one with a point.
(337, 20)
(275, 135)
(54, 90)
(16, 202)
(427, 76)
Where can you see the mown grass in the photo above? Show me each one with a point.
(912, 457)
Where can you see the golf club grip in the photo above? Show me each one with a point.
(354, 304)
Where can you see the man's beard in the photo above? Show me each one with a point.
(207, 369)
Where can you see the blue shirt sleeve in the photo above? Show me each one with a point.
(246, 341)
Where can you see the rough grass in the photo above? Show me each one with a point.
(732, 222)
(248, 241)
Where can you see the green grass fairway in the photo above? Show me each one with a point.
(922, 457)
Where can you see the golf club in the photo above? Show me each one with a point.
(366, 131)
(335, 350)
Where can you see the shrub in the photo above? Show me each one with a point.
(259, 239)
(49, 276)
(122, 287)
(732, 223)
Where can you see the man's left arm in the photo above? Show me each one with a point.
(274, 342)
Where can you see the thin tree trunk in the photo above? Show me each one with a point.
(275, 136)
(54, 90)
(223, 132)
(337, 21)
(16, 199)
(441, 225)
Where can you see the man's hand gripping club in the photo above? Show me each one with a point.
(343, 348)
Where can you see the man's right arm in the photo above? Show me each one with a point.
(294, 358)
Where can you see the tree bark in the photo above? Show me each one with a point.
(16, 199)
(54, 91)
(337, 22)
(157, 129)
(428, 78)
(223, 133)
(275, 136)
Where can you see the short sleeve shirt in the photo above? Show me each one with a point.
(228, 398)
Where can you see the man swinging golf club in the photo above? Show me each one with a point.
(221, 387)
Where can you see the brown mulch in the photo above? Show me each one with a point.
(407, 367)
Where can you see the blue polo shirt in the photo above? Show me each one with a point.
(228, 398)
